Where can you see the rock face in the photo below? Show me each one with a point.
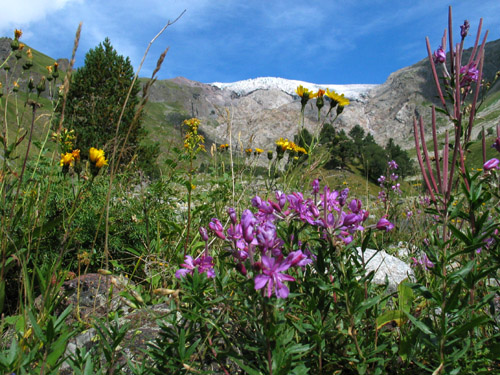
(264, 109)
(386, 266)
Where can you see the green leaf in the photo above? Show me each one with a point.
(420, 325)
(36, 328)
(387, 317)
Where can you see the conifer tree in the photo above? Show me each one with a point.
(97, 93)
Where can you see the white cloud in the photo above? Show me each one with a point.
(18, 14)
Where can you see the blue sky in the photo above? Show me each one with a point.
(336, 42)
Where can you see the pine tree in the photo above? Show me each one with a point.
(97, 93)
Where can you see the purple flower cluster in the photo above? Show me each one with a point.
(201, 265)
(423, 262)
(255, 245)
(439, 55)
(468, 74)
(491, 164)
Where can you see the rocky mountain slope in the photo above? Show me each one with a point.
(264, 109)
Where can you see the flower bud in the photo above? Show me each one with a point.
(41, 85)
(31, 84)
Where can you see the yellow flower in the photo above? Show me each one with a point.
(76, 154)
(17, 33)
(29, 53)
(303, 92)
(259, 150)
(21, 46)
(101, 162)
(283, 144)
(67, 159)
(49, 69)
(320, 93)
(97, 157)
(337, 99)
(15, 86)
(95, 154)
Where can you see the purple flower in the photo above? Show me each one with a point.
(266, 235)
(469, 73)
(384, 224)
(392, 165)
(394, 177)
(439, 55)
(248, 222)
(203, 265)
(396, 188)
(298, 258)
(232, 215)
(382, 195)
(281, 198)
(329, 199)
(496, 145)
(272, 276)
(464, 29)
(257, 201)
(216, 227)
(491, 164)
(424, 262)
(381, 181)
(355, 206)
(315, 186)
(203, 233)
(343, 196)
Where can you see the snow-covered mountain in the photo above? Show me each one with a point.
(353, 91)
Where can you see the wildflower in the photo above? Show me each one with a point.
(41, 85)
(223, 147)
(14, 45)
(496, 145)
(67, 159)
(468, 74)
(424, 262)
(320, 102)
(15, 86)
(216, 227)
(298, 258)
(97, 159)
(201, 265)
(381, 181)
(394, 177)
(305, 95)
(76, 155)
(315, 186)
(55, 73)
(439, 55)
(272, 276)
(384, 224)
(203, 233)
(258, 151)
(491, 164)
(270, 155)
(392, 165)
(464, 29)
(248, 151)
(337, 99)
(29, 53)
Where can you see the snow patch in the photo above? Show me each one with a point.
(352, 92)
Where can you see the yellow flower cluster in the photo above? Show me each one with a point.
(283, 145)
(97, 158)
(224, 147)
(339, 99)
(335, 99)
(193, 142)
